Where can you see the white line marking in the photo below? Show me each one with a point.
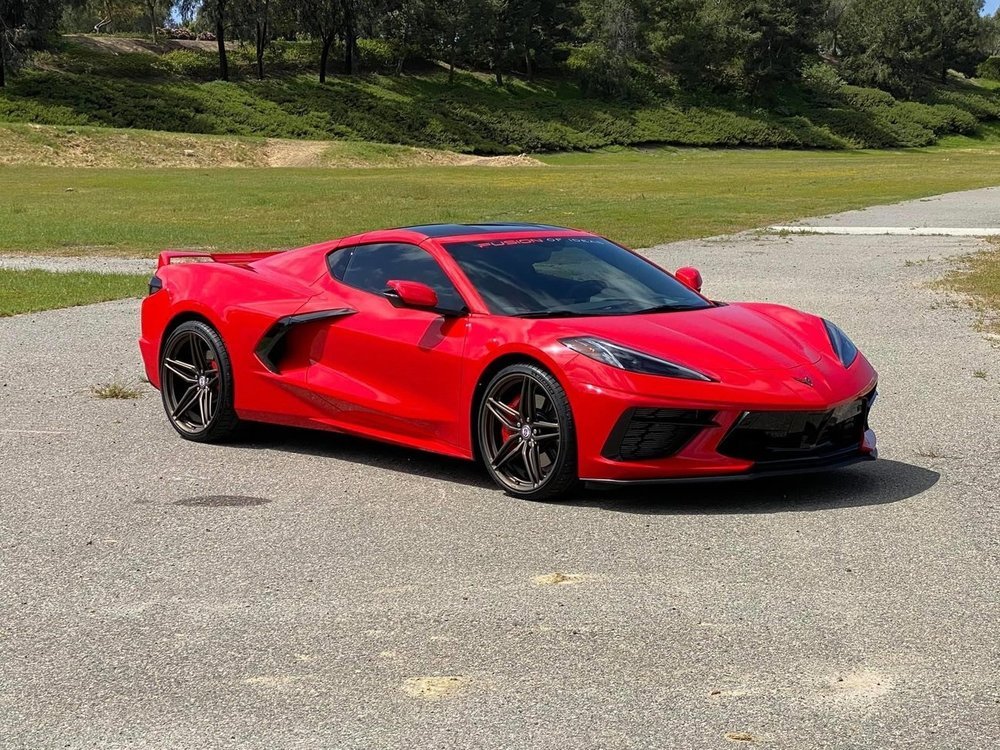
(905, 231)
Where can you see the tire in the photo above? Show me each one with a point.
(196, 383)
(530, 452)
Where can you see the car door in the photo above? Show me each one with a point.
(387, 371)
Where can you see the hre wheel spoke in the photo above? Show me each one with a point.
(197, 355)
(203, 408)
(531, 463)
(185, 402)
(506, 452)
(507, 415)
(182, 370)
(526, 406)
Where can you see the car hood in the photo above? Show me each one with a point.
(740, 336)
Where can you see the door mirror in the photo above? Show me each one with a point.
(689, 277)
(411, 294)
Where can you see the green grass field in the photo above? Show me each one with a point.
(638, 197)
(33, 291)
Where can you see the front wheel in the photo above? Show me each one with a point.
(526, 435)
(196, 383)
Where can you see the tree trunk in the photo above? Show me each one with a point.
(452, 53)
(529, 71)
(152, 18)
(498, 74)
(3, 71)
(324, 57)
(350, 39)
(151, 7)
(220, 37)
(261, 40)
(402, 53)
(350, 50)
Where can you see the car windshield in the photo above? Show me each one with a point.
(568, 276)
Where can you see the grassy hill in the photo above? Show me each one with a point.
(87, 84)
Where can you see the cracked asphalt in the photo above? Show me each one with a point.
(305, 590)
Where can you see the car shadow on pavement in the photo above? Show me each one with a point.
(365, 452)
(877, 483)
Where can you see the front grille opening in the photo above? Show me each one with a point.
(764, 436)
(645, 433)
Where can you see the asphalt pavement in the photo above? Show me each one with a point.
(306, 590)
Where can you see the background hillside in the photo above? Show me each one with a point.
(511, 76)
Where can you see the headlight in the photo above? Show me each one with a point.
(629, 359)
(843, 346)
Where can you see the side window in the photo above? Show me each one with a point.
(371, 267)
(338, 262)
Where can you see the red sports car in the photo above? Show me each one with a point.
(551, 355)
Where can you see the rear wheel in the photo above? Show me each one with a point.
(526, 435)
(196, 383)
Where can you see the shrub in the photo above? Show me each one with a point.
(632, 81)
(189, 64)
(989, 68)
(865, 99)
(378, 55)
(822, 79)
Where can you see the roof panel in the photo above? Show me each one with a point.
(457, 230)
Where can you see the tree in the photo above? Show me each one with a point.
(616, 30)
(832, 22)
(324, 20)
(536, 27)
(688, 38)
(217, 12)
(11, 20)
(453, 20)
(151, 7)
(937, 35)
(960, 29)
(24, 24)
(771, 38)
(253, 18)
(350, 12)
(991, 35)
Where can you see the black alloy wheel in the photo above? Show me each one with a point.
(196, 383)
(526, 435)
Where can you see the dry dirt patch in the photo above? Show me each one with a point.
(49, 146)
(559, 579)
(436, 688)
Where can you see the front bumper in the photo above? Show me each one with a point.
(757, 471)
(718, 409)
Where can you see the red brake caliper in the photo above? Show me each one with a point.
(505, 431)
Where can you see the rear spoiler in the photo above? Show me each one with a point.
(187, 256)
